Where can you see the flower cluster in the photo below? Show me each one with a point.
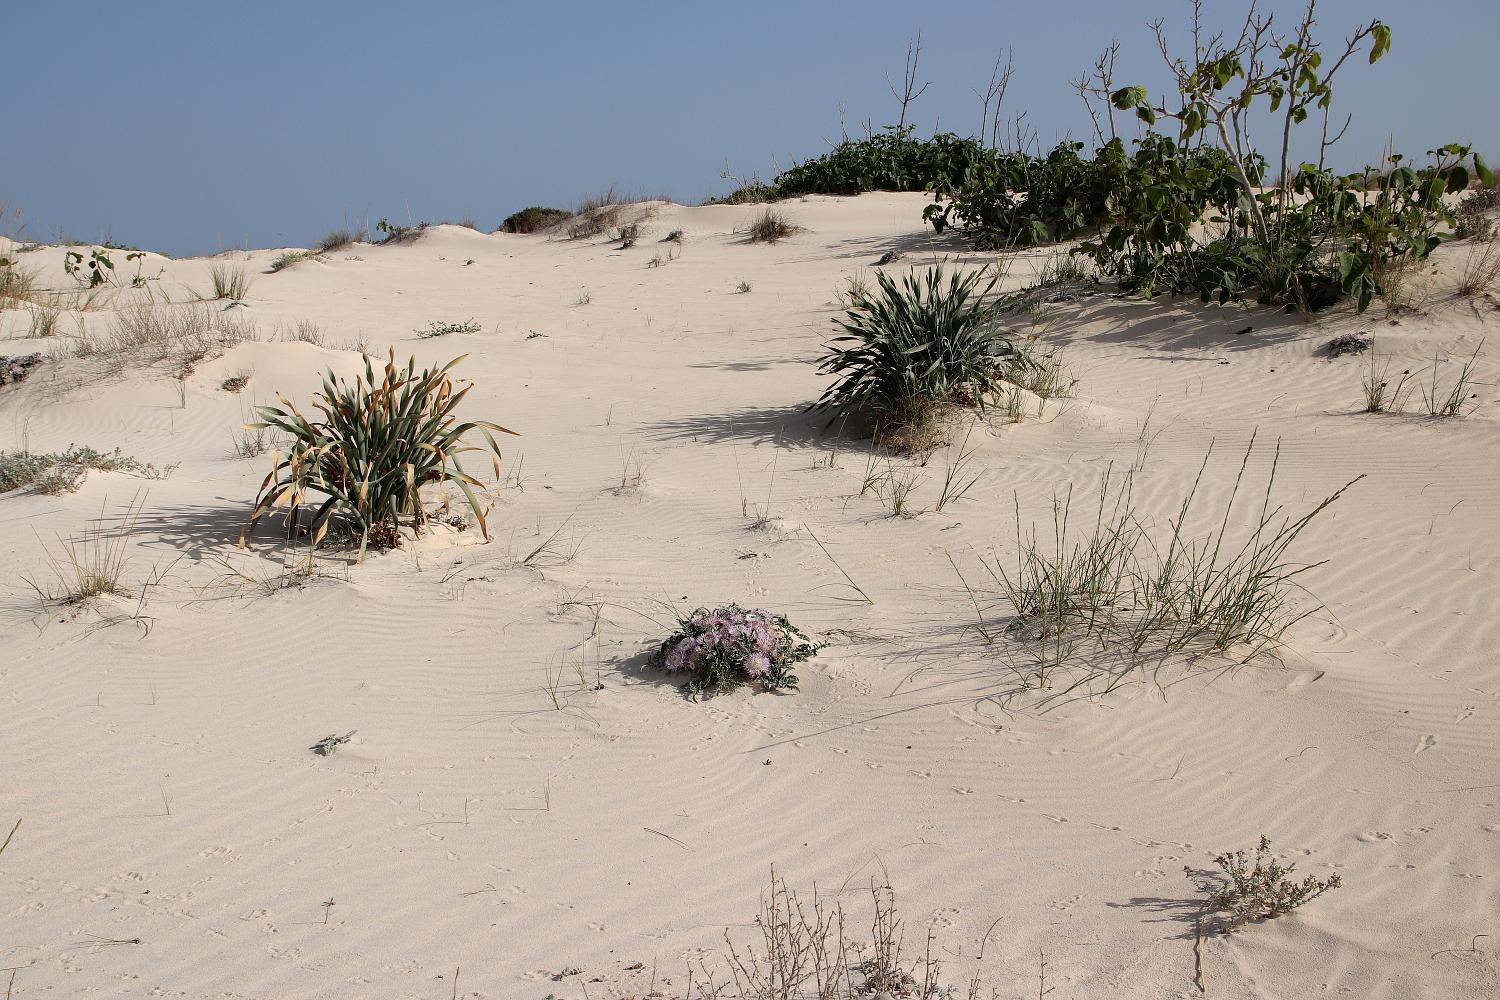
(14, 369)
(730, 646)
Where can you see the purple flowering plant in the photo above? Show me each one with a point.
(721, 649)
(13, 369)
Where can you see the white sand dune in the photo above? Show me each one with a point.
(477, 821)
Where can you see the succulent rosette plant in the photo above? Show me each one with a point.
(724, 648)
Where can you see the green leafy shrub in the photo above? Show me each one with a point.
(282, 261)
(534, 219)
(1306, 239)
(924, 341)
(890, 160)
(379, 442)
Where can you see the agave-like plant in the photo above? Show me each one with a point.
(922, 341)
(380, 440)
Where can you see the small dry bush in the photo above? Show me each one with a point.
(810, 948)
(771, 225)
(1241, 894)
(174, 337)
(282, 261)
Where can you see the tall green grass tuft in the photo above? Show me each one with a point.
(907, 346)
(380, 440)
(1144, 592)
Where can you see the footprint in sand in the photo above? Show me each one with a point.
(962, 790)
(1055, 819)
(1373, 837)
(1427, 742)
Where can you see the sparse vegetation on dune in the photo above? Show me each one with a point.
(288, 258)
(380, 441)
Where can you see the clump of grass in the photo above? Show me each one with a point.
(15, 368)
(743, 288)
(339, 239)
(1348, 343)
(230, 281)
(534, 219)
(440, 329)
(771, 225)
(915, 347)
(282, 261)
(1452, 400)
(854, 289)
(628, 234)
(90, 566)
(1245, 894)
(43, 321)
(52, 473)
(380, 440)
(1141, 592)
(175, 337)
(1481, 270)
(675, 236)
(235, 382)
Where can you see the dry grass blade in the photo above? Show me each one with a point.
(92, 565)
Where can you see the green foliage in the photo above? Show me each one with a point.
(889, 160)
(282, 261)
(378, 443)
(533, 219)
(52, 473)
(913, 344)
(1307, 240)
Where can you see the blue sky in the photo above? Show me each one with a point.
(194, 127)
